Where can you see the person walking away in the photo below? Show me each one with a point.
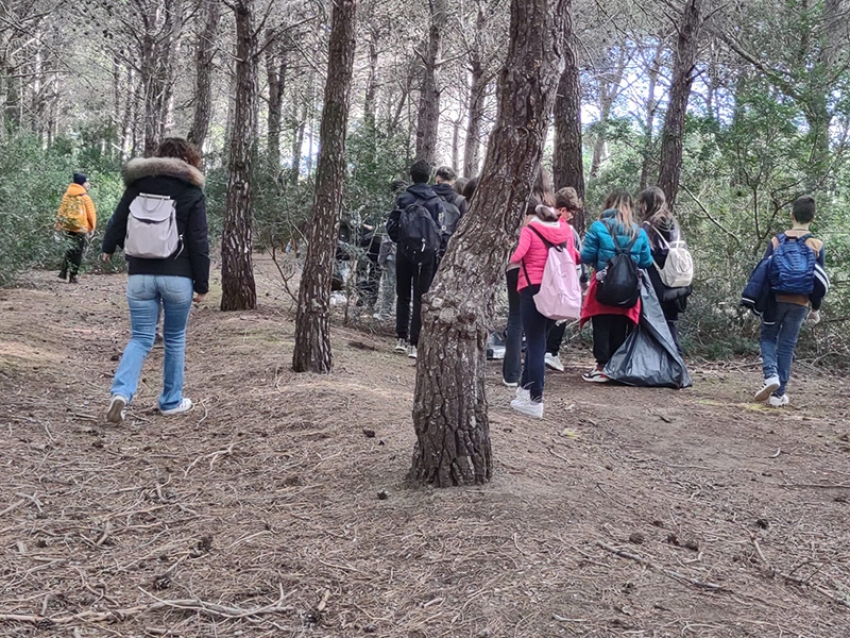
(531, 255)
(614, 232)
(454, 204)
(798, 284)
(165, 269)
(664, 233)
(567, 204)
(541, 193)
(414, 224)
(77, 219)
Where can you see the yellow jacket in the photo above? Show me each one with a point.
(76, 212)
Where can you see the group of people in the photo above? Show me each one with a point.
(161, 225)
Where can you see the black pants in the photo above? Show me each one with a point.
(609, 333)
(74, 254)
(535, 326)
(556, 338)
(412, 281)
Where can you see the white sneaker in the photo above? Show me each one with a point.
(184, 406)
(595, 376)
(401, 346)
(523, 394)
(411, 352)
(778, 402)
(531, 408)
(771, 384)
(554, 362)
(115, 413)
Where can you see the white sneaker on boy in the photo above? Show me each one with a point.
(771, 384)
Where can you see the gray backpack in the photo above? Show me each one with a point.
(152, 227)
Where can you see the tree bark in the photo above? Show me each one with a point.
(428, 123)
(568, 161)
(159, 56)
(238, 291)
(204, 55)
(276, 58)
(672, 136)
(450, 407)
(369, 106)
(300, 123)
(312, 324)
(477, 93)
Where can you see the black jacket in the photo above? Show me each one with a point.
(450, 195)
(184, 184)
(421, 193)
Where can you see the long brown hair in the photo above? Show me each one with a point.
(179, 148)
(621, 201)
(652, 205)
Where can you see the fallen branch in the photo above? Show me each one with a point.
(185, 604)
(663, 570)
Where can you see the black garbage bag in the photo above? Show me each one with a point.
(649, 357)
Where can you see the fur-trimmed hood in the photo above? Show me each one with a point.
(138, 168)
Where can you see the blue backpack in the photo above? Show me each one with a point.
(792, 266)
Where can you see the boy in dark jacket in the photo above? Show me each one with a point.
(413, 280)
(784, 312)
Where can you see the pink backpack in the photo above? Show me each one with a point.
(560, 292)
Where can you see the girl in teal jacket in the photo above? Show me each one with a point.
(611, 324)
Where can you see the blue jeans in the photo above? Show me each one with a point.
(536, 328)
(512, 363)
(145, 294)
(778, 341)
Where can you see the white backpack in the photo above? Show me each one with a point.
(152, 227)
(678, 270)
(560, 291)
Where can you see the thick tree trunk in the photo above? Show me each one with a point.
(450, 407)
(312, 324)
(276, 76)
(238, 291)
(428, 123)
(672, 136)
(568, 162)
(204, 55)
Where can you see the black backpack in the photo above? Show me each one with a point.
(620, 286)
(451, 217)
(418, 235)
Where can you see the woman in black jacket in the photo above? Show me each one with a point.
(170, 283)
(663, 231)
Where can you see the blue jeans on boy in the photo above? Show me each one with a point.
(778, 341)
(536, 328)
(512, 363)
(145, 293)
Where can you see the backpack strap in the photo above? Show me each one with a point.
(617, 250)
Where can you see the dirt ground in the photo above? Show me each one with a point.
(625, 512)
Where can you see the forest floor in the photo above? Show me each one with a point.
(624, 512)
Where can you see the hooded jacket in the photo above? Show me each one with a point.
(598, 248)
(532, 252)
(447, 192)
(85, 223)
(421, 193)
(184, 184)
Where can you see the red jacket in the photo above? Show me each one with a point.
(531, 253)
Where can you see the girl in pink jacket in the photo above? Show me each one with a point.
(531, 254)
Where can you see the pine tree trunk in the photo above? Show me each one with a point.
(477, 93)
(298, 143)
(276, 76)
(204, 55)
(369, 107)
(672, 136)
(428, 123)
(568, 162)
(238, 291)
(450, 407)
(312, 324)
